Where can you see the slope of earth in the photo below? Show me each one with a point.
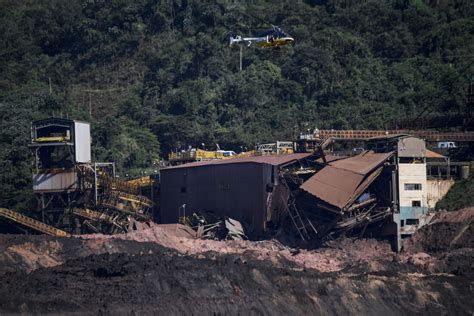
(162, 269)
(28, 253)
(165, 282)
(446, 245)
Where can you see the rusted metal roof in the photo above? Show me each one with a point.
(274, 160)
(363, 163)
(330, 158)
(340, 181)
(433, 154)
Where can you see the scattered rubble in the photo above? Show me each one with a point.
(210, 227)
(165, 269)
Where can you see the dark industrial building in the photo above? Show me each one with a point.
(317, 194)
(241, 188)
(382, 191)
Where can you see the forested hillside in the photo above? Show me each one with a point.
(156, 75)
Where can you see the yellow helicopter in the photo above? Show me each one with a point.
(273, 38)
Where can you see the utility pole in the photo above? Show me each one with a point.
(90, 91)
(241, 48)
(90, 105)
(83, 102)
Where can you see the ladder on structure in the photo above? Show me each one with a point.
(297, 220)
(32, 223)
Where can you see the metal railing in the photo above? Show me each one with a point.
(366, 134)
(32, 223)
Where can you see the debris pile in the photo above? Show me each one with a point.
(211, 227)
(31, 252)
(138, 272)
(445, 245)
(345, 189)
(118, 208)
(310, 195)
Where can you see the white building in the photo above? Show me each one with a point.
(412, 184)
(409, 182)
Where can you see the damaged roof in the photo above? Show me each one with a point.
(342, 181)
(363, 163)
(330, 158)
(433, 154)
(274, 160)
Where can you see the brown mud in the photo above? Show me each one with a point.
(163, 270)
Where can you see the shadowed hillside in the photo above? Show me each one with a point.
(155, 75)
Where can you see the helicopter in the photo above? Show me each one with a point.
(273, 38)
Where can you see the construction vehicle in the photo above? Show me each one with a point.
(193, 154)
(279, 147)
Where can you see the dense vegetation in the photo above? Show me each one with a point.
(460, 195)
(156, 75)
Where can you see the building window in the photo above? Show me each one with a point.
(410, 160)
(412, 186)
(402, 223)
(224, 186)
(415, 204)
(269, 187)
(413, 221)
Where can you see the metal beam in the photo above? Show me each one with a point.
(32, 223)
(428, 135)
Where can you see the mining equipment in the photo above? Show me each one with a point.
(73, 194)
(32, 223)
(383, 191)
(195, 154)
(312, 140)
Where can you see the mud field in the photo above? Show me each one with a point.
(163, 270)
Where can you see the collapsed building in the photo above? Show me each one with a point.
(349, 193)
(381, 191)
(73, 194)
(246, 189)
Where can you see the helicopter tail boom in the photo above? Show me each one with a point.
(235, 40)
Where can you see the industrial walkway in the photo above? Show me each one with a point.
(32, 223)
(431, 136)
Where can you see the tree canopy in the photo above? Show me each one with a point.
(153, 75)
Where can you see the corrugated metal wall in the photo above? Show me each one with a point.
(66, 180)
(235, 190)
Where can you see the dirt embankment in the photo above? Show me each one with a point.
(29, 253)
(163, 270)
(446, 245)
(163, 282)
